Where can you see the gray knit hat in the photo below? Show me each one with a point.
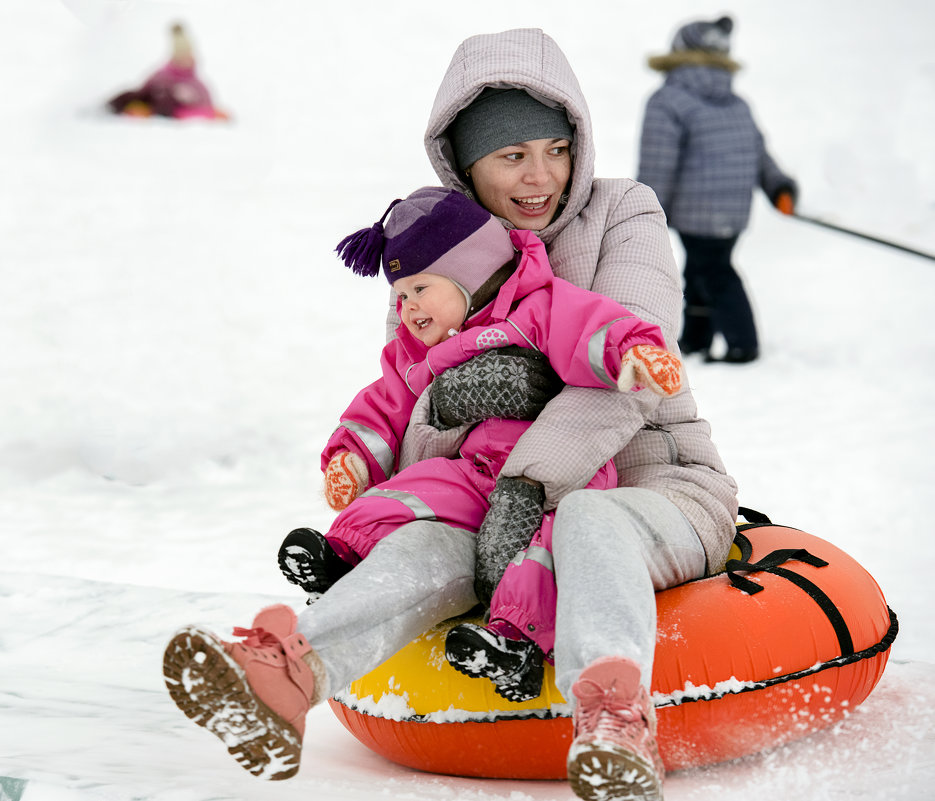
(500, 117)
(713, 37)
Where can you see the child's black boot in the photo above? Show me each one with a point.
(308, 561)
(514, 666)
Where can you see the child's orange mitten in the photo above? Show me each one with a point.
(345, 478)
(652, 367)
(785, 202)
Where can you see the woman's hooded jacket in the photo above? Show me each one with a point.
(611, 238)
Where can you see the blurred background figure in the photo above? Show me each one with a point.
(703, 154)
(174, 90)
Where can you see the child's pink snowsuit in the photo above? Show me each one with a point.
(583, 334)
(176, 91)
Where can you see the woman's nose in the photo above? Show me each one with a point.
(536, 171)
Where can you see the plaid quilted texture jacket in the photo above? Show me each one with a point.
(702, 153)
(610, 238)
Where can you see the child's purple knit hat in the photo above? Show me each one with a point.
(434, 230)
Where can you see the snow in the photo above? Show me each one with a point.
(178, 339)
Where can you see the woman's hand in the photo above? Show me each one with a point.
(345, 478)
(651, 367)
(515, 515)
(512, 382)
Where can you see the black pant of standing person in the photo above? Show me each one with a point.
(715, 301)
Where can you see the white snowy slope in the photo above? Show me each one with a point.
(177, 340)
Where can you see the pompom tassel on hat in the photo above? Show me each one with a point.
(434, 230)
(362, 250)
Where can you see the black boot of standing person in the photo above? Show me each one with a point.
(716, 302)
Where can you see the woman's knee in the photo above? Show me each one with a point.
(583, 501)
(427, 540)
(609, 505)
(582, 512)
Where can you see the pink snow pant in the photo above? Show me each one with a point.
(455, 492)
(451, 491)
(526, 596)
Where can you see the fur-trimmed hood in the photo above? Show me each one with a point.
(527, 59)
(692, 58)
(712, 84)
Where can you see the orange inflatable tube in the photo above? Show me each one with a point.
(789, 639)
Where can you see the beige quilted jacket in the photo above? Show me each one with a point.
(611, 238)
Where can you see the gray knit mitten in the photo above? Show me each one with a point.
(515, 515)
(512, 382)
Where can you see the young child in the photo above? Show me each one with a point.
(464, 285)
(174, 90)
(704, 155)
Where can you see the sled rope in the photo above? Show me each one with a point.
(861, 235)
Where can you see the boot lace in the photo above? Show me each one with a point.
(261, 638)
(603, 713)
(258, 637)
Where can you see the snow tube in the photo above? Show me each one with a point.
(789, 639)
(128, 106)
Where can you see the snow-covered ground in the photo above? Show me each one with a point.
(177, 339)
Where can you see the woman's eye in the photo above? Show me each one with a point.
(561, 150)
(513, 156)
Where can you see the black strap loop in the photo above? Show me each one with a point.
(753, 516)
(768, 563)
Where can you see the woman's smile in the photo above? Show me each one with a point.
(533, 206)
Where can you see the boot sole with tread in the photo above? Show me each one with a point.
(212, 689)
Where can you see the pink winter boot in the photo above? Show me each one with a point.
(614, 753)
(252, 695)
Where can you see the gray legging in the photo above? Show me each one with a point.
(612, 550)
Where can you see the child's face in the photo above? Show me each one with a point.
(430, 306)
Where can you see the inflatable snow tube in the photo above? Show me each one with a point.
(789, 639)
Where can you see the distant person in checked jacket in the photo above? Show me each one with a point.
(703, 155)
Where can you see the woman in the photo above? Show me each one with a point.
(671, 521)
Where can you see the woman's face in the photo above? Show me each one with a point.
(522, 183)
(430, 306)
